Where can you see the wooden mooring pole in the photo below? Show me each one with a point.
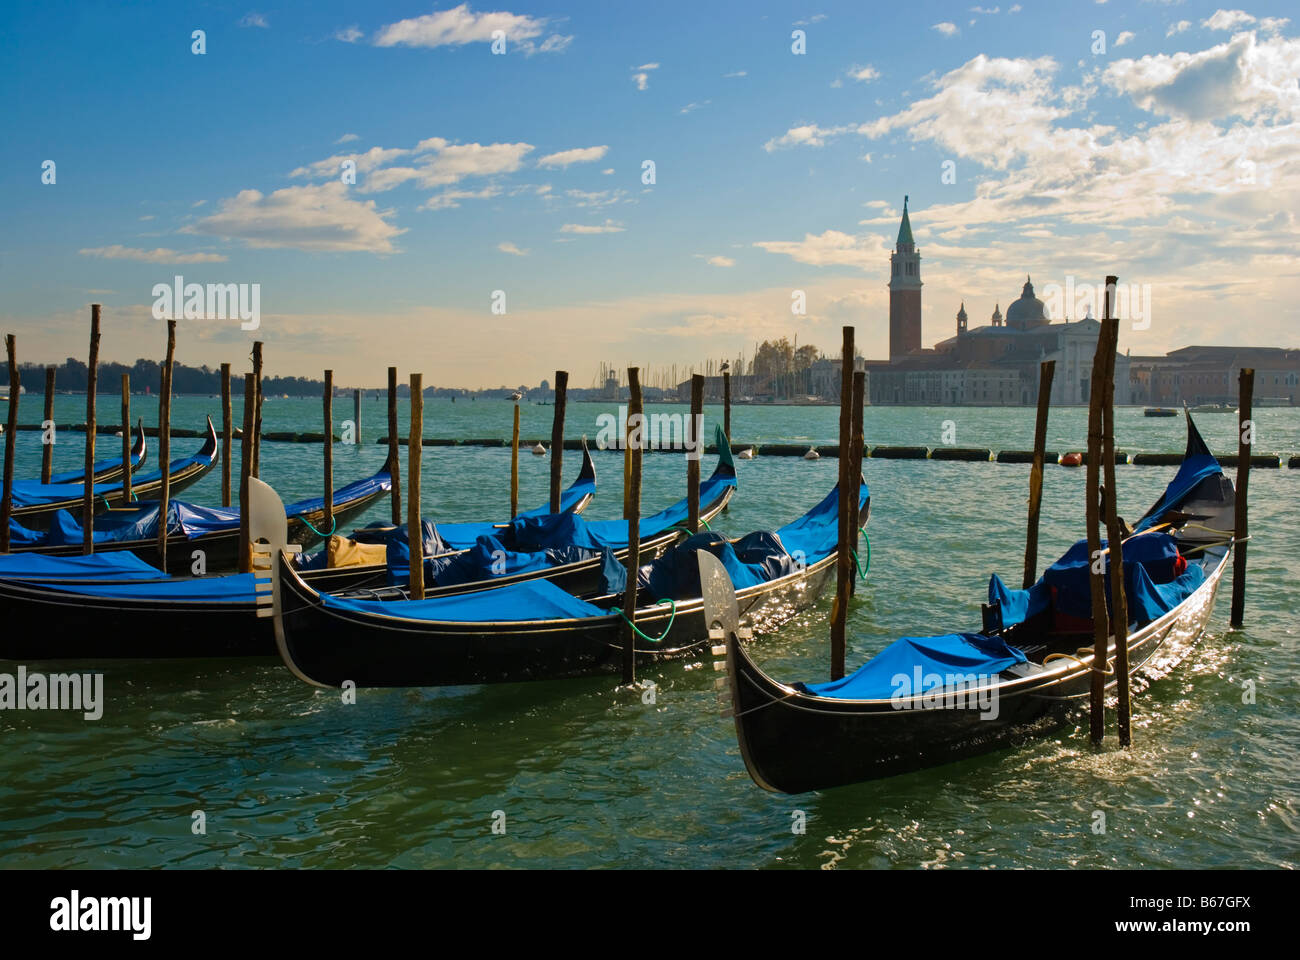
(1096, 564)
(1114, 535)
(1241, 526)
(47, 423)
(257, 408)
(11, 429)
(226, 434)
(514, 466)
(856, 442)
(557, 437)
(88, 481)
(414, 528)
(327, 516)
(696, 431)
(726, 404)
(392, 446)
(127, 496)
(843, 568)
(165, 441)
(1046, 372)
(356, 416)
(246, 471)
(632, 497)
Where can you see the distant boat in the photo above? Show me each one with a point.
(1214, 408)
(1159, 412)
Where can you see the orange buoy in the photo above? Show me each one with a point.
(1071, 459)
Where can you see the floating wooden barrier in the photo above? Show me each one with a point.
(1157, 459)
(1268, 461)
(968, 454)
(1294, 463)
(899, 453)
(1024, 456)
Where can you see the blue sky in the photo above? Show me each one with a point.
(1169, 159)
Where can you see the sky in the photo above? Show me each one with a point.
(1152, 140)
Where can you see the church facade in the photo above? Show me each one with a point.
(991, 365)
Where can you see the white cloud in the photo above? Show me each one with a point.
(1182, 26)
(985, 10)
(946, 28)
(347, 138)
(457, 27)
(507, 247)
(1125, 36)
(450, 199)
(865, 74)
(641, 75)
(608, 171)
(716, 261)
(254, 20)
(806, 135)
(736, 75)
(349, 34)
(578, 155)
(315, 218)
(609, 226)
(832, 248)
(157, 255)
(695, 106)
(595, 198)
(454, 162)
(1241, 77)
(1228, 20)
(372, 159)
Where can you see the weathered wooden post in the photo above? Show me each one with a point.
(88, 481)
(1241, 526)
(257, 408)
(327, 518)
(47, 423)
(165, 442)
(356, 416)
(246, 471)
(726, 404)
(127, 496)
(225, 434)
(636, 440)
(514, 466)
(1096, 559)
(696, 431)
(1114, 535)
(11, 427)
(414, 528)
(856, 443)
(843, 569)
(392, 446)
(1046, 372)
(557, 437)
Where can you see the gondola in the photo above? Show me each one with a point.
(534, 630)
(192, 528)
(562, 548)
(109, 471)
(36, 504)
(925, 701)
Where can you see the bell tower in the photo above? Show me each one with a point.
(904, 293)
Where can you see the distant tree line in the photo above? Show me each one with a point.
(73, 375)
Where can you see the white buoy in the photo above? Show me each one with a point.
(812, 454)
(746, 454)
(539, 450)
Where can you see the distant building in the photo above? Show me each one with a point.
(991, 365)
(1201, 374)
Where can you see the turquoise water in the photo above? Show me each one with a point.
(587, 774)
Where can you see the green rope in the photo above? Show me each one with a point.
(334, 522)
(671, 617)
(704, 523)
(861, 572)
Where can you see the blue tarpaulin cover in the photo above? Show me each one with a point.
(953, 653)
(1019, 605)
(235, 588)
(518, 602)
(116, 565)
(1149, 601)
(1070, 575)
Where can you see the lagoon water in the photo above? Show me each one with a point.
(589, 775)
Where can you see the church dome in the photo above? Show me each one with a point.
(1028, 310)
